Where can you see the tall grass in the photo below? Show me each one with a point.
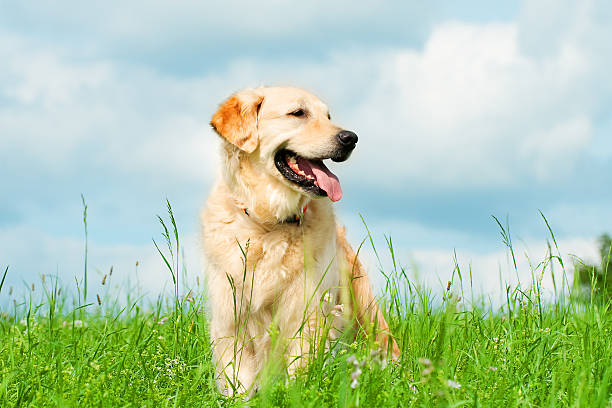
(86, 249)
(457, 349)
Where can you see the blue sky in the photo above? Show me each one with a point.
(462, 112)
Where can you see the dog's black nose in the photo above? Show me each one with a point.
(347, 138)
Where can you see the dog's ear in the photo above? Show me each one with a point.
(236, 119)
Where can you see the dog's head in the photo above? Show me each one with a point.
(287, 133)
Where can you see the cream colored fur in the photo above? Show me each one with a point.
(266, 276)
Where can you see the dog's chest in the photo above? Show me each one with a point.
(295, 250)
(306, 253)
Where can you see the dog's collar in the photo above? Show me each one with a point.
(293, 219)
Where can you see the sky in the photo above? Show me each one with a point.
(462, 111)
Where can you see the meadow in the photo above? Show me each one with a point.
(63, 347)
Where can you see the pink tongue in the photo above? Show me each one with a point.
(326, 180)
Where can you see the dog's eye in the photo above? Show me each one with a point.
(328, 116)
(298, 113)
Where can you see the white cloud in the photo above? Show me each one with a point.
(427, 255)
(63, 114)
(157, 25)
(472, 110)
(31, 253)
(546, 26)
(556, 145)
(491, 272)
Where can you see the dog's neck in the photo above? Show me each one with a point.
(295, 219)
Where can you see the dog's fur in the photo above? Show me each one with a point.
(266, 275)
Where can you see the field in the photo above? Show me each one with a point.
(63, 348)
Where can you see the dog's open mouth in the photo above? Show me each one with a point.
(312, 175)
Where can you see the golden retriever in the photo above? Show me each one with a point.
(279, 266)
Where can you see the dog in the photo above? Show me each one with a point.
(279, 265)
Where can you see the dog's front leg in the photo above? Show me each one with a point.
(306, 322)
(232, 333)
(269, 272)
(302, 339)
(233, 351)
(236, 364)
(364, 304)
(242, 314)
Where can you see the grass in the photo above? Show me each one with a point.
(58, 350)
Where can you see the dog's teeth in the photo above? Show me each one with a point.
(293, 165)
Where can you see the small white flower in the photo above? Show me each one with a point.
(425, 361)
(454, 384)
(338, 310)
(356, 374)
(378, 358)
(79, 323)
(428, 370)
(162, 320)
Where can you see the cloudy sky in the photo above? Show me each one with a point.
(463, 112)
